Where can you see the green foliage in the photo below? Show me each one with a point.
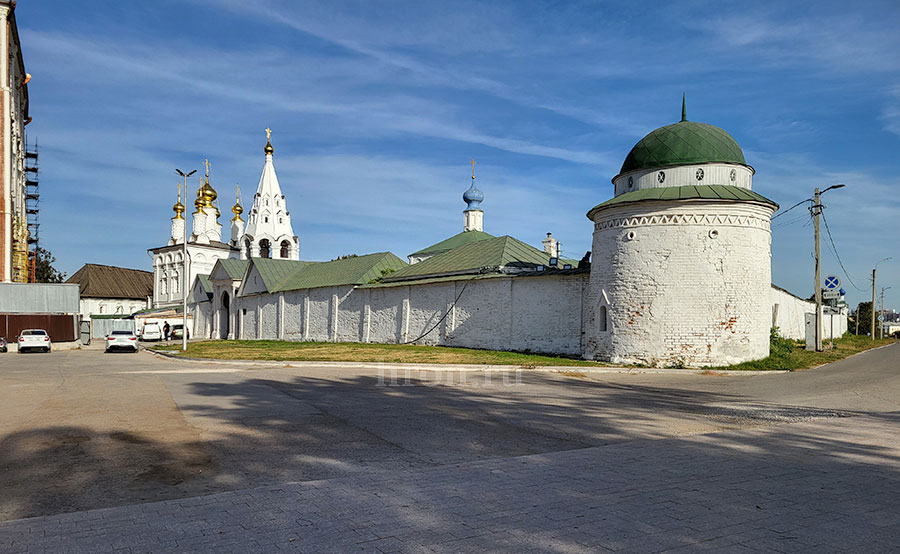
(345, 256)
(44, 272)
(864, 314)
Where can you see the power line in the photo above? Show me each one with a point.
(836, 255)
(791, 208)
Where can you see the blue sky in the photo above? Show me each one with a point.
(376, 109)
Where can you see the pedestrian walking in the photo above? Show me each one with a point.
(166, 330)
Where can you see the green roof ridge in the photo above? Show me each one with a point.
(495, 253)
(460, 239)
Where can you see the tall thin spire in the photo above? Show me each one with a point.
(683, 108)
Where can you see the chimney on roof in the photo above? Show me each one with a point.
(551, 246)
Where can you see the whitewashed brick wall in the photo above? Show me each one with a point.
(682, 283)
(540, 314)
(790, 317)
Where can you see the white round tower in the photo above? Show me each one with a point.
(681, 271)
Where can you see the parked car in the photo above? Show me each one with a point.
(175, 331)
(34, 339)
(121, 340)
(151, 331)
(3, 346)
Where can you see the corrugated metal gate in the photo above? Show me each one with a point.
(100, 327)
(61, 327)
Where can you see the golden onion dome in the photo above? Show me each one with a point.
(237, 210)
(198, 203)
(208, 194)
(178, 208)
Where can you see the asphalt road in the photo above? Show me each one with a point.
(83, 429)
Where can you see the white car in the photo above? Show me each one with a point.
(34, 339)
(121, 340)
(151, 331)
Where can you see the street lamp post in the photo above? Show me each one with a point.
(874, 272)
(816, 210)
(185, 283)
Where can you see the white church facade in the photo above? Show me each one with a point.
(680, 275)
(268, 234)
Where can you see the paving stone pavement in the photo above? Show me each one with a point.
(825, 485)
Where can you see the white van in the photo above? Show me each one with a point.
(151, 331)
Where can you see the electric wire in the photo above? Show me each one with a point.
(791, 208)
(450, 309)
(836, 255)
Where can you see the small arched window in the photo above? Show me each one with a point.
(601, 319)
(163, 282)
(247, 247)
(285, 249)
(265, 248)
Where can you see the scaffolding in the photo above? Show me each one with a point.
(32, 207)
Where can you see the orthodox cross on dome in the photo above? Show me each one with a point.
(206, 164)
(179, 192)
(473, 168)
(268, 149)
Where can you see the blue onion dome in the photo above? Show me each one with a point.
(473, 197)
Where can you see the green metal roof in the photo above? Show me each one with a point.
(205, 284)
(466, 237)
(233, 267)
(348, 271)
(549, 272)
(495, 253)
(682, 143)
(691, 192)
(274, 271)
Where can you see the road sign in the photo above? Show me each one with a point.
(832, 282)
(831, 294)
(881, 318)
(828, 310)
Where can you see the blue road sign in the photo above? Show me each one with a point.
(832, 282)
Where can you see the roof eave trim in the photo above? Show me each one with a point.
(601, 207)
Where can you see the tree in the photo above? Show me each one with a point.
(44, 272)
(864, 317)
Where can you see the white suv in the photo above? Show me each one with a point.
(34, 339)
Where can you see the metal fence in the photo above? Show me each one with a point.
(61, 327)
(100, 327)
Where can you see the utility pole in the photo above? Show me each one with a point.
(874, 269)
(881, 322)
(816, 211)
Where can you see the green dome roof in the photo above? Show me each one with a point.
(683, 143)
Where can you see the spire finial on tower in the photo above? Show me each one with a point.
(269, 150)
(178, 208)
(473, 168)
(206, 164)
(683, 108)
(237, 210)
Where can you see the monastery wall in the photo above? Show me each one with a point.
(789, 315)
(681, 284)
(540, 314)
